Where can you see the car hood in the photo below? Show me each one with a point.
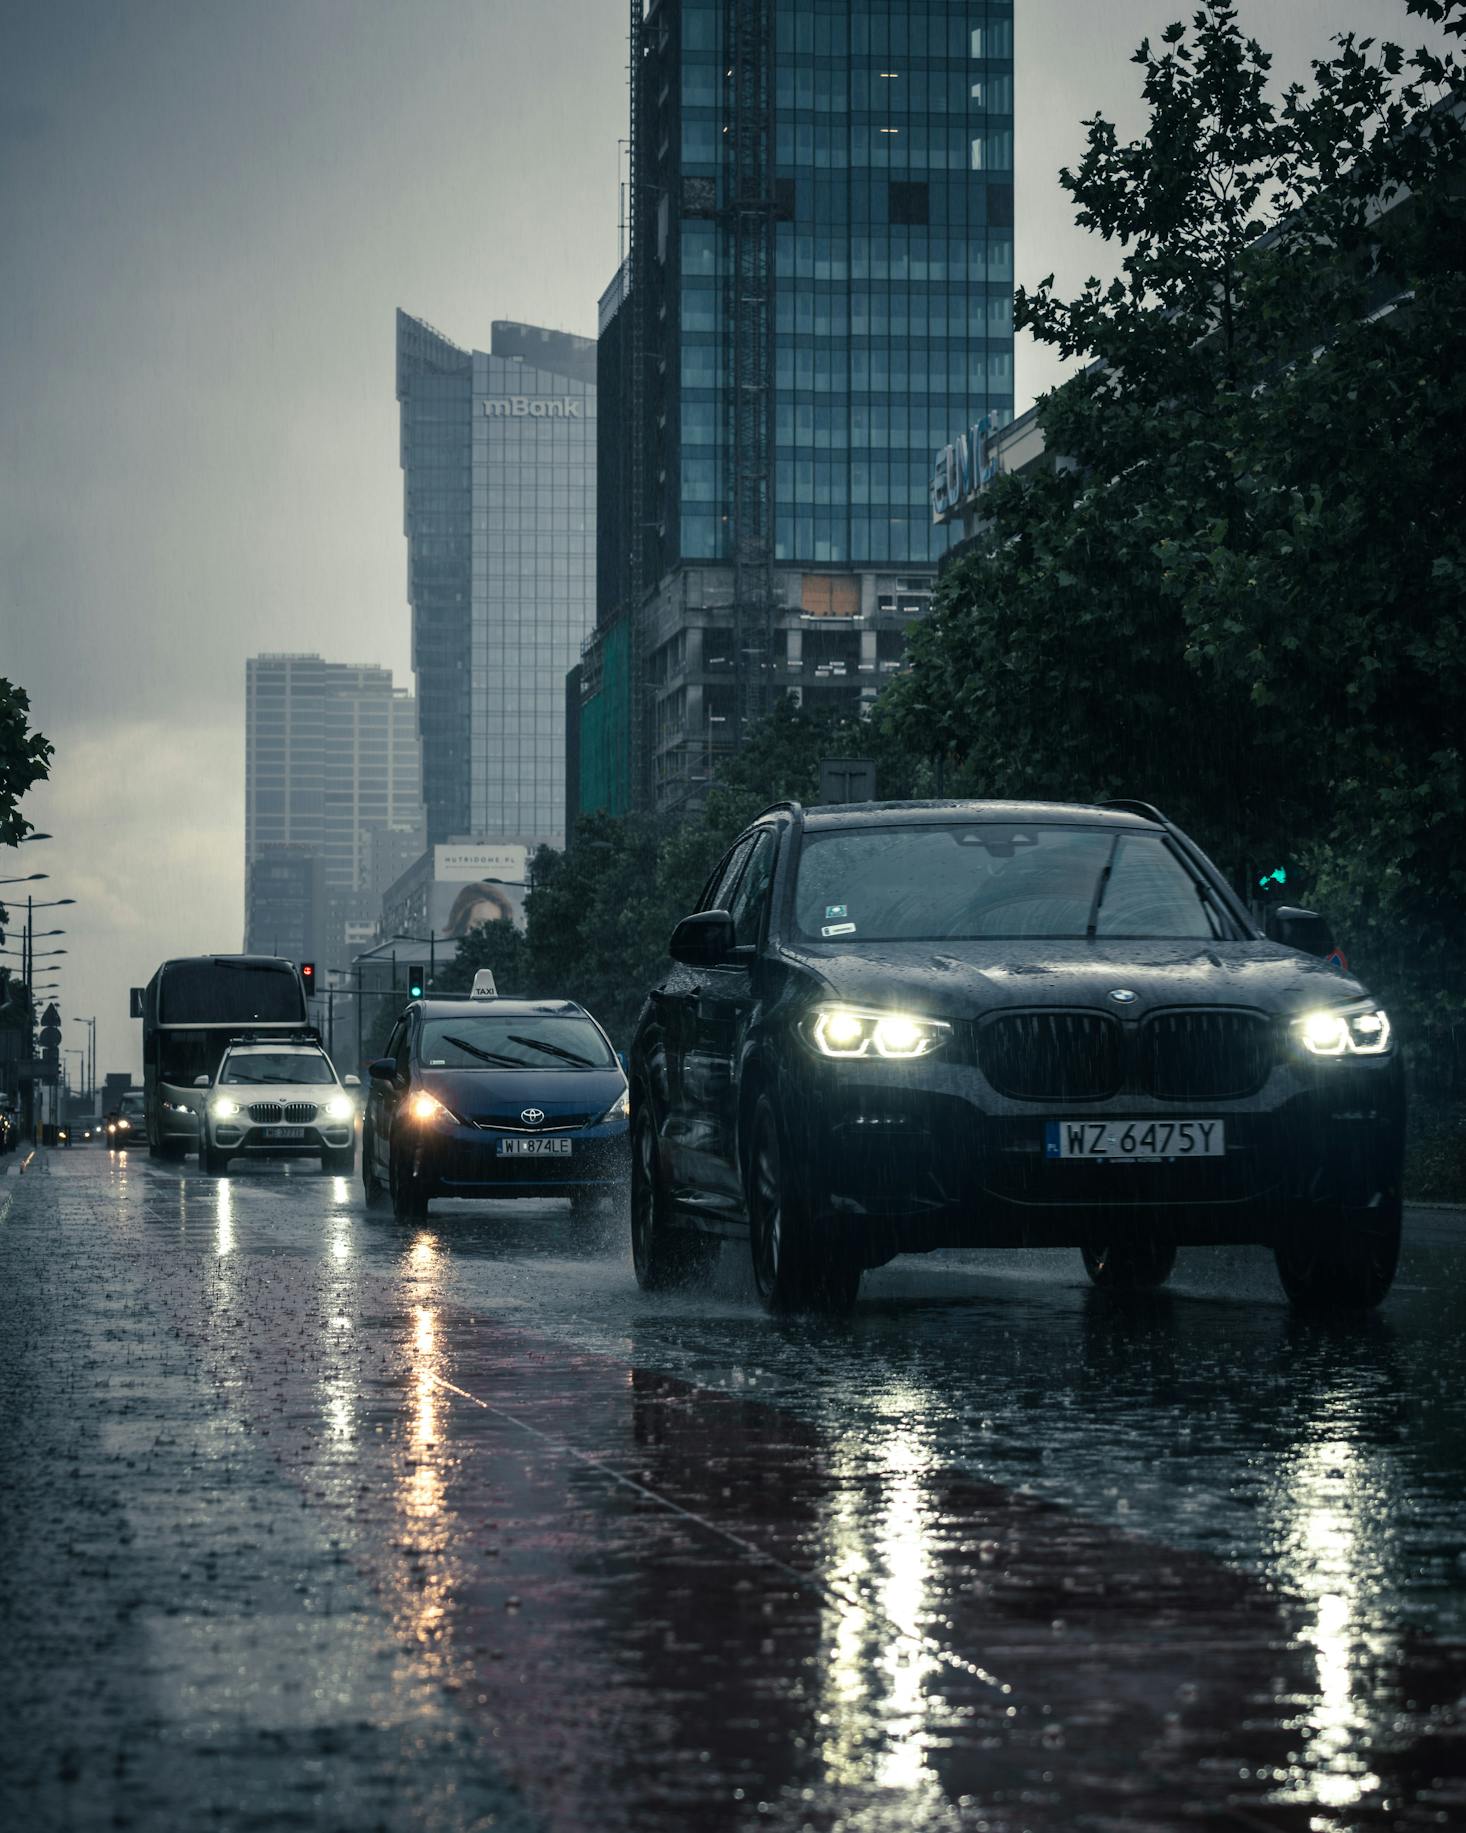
(249, 1094)
(567, 1097)
(968, 979)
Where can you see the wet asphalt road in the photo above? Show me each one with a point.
(307, 1519)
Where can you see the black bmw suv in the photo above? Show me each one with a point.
(899, 1026)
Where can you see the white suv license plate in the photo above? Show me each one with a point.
(284, 1133)
(534, 1148)
(1135, 1141)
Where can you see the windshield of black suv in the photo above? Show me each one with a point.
(503, 1041)
(261, 1066)
(996, 882)
(131, 1106)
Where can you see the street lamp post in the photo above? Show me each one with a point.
(91, 1062)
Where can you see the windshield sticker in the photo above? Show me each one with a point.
(832, 911)
(838, 929)
(437, 1062)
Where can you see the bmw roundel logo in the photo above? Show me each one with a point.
(533, 1116)
(1123, 996)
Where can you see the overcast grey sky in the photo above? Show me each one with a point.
(209, 210)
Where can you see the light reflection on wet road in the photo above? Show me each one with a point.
(995, 1551)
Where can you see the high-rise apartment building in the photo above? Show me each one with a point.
(498, 459)
(332, 774)
(819, 288)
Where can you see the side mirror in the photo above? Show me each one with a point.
(351, 1081)
(135, 998)
(702, 940)
(1304, 930)
(201, 1081)
(625, 1065)
(382, 1069)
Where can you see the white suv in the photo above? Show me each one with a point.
(281, 1099)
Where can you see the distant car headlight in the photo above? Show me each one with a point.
(340, 1107)
(853, 1031)
(426, 1108)
(1349, 1031)
(619, 1109)
(224, 1108)
(123, 1126)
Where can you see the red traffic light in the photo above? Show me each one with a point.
(308, 975)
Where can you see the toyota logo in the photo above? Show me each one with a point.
(533, 1116)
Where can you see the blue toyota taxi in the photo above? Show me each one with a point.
(491, 1097)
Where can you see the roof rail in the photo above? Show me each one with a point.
(794, 808)
(1129, 806)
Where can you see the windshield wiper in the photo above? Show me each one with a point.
(1099, 891)
(486, 1056)
(554, 1050)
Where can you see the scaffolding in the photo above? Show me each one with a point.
(749, 211)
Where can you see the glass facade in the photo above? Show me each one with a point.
(893, 281)
(498, 449)
(332, 774)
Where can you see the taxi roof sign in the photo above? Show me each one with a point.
(483, 985)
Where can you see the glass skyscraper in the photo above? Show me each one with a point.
(332, 775)
(498, 457)
(872, 145)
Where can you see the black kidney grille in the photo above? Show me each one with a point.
(265, 1113)
(1051, 1056)
(300, 1113)
(1204, 1056)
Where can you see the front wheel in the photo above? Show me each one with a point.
(215, 1164)
(372, 1186)
(338, 1161)
(1337, 1258)
(662, 1254)
(1131, 1266)
(408, 1184)
(792, 1270)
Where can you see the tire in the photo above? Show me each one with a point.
(792, 1270)
(338, 1161)
(373, 1189)
(663, 1255)
(1131, 1266)
(408, 1185)
(1340, 1259)
(212, 1163)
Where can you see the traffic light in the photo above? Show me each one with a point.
(417, 979)
(308, 977)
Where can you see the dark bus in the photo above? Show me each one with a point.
(190, 1009)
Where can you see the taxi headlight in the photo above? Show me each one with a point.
(224, 1108)
(852, 1031)
(426, 1108)
(339, 1107)
(1349, 1031)
(618, 1110)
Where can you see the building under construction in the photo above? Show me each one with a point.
(817, 286)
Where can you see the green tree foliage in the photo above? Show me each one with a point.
(25, 759)
(1242, 598)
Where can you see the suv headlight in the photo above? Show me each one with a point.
(224, 1108)
(853, 1031)
(1348, 1031)
(340, 1107)
(619, 1109)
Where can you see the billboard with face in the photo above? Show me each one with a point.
(475, 884)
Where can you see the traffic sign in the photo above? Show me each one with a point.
(51, 1016)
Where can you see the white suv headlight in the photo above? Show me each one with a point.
(340, 1107)
(223, 1108)
(1349, 1031)
(853, 1031)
